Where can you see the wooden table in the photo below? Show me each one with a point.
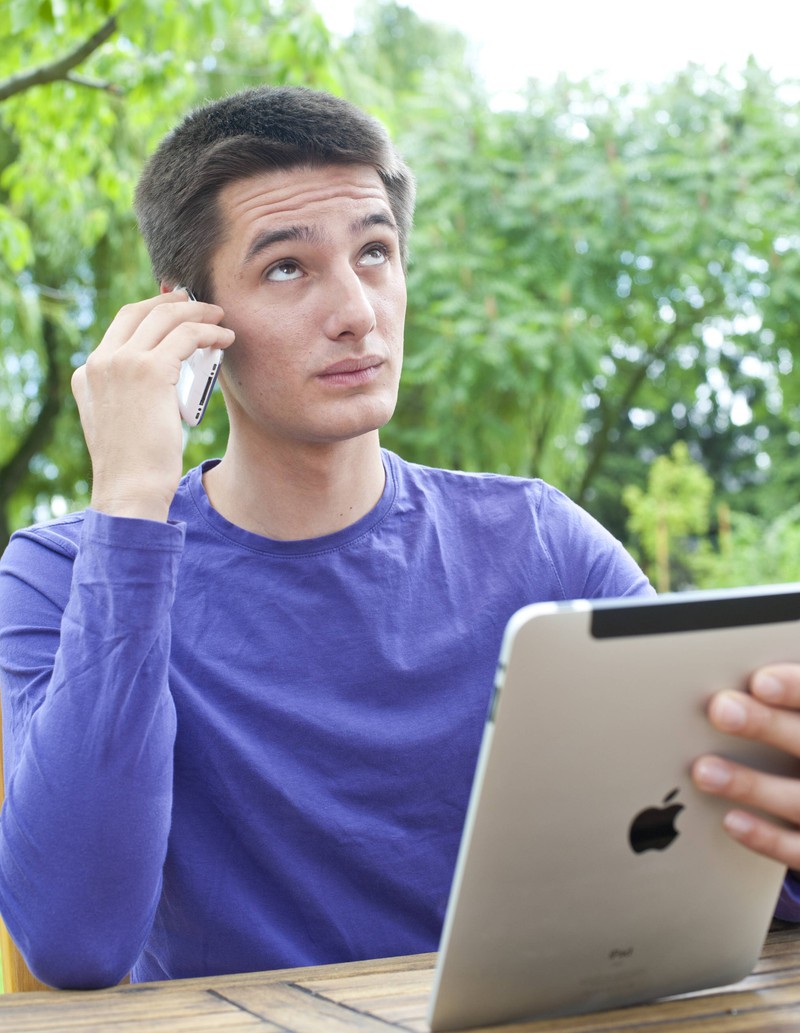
(391, 994)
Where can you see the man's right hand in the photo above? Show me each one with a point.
(128, 404)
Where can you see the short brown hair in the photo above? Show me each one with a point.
(266, 129)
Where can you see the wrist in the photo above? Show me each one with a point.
(131, 507)
(138, 492)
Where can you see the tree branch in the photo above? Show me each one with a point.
(58, 69)
(601, 440)
(93, 84)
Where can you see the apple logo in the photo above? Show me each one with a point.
(654, 827)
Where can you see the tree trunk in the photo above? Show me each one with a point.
(15, 469)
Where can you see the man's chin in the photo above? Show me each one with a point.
(346, 426)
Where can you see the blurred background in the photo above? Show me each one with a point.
(605, 276)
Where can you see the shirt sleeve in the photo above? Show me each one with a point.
(788, 907)
(588, 561)
(88, 729)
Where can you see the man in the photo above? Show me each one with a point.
(242, 708)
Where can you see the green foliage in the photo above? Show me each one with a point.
(674, 506)
(750, 550)
(593, 277)
(596, 277)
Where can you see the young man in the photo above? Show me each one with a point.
(242, 708)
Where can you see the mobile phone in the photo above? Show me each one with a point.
(197, 378)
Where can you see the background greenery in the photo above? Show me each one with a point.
(603, 290)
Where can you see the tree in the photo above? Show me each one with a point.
(596, 277)
(676, 504)
(750, 550)
(708, 281)
(103, 81)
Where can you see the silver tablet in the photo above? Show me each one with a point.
(591, 873)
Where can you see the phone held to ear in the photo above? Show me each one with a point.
(197, 379)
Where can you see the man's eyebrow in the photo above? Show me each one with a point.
(270, 237)
(310, 235)
(376, 219)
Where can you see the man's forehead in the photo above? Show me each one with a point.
(297, 192)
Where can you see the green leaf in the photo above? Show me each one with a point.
(16, 246)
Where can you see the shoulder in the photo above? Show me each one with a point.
(489, 501)
(527, 521)
(591, 562)
(463, 485)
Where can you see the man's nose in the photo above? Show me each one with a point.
(350, 313)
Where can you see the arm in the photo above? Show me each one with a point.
(770, 713)
(88, 733)
(84, 653)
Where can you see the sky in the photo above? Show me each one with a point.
(629, 40)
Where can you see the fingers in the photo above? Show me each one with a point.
(184, 325)
(141, 358)
(130, 317)
(764, 837)
(167, 329)
(757, 716)
(777, 685)
(775, 794)
(770, 714)
(144, 325)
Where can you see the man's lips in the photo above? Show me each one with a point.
(352, 371)
(352, 365)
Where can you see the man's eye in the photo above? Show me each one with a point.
(375, 254)
(284, 271)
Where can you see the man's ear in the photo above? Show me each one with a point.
(166, 288)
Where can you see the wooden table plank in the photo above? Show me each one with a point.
(153, 1010)
(391, 993)
(402, 1001)
(770, 996)
(298, 1010)
(773, 1011)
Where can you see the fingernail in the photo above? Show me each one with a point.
(730, 713)
(738, 823)
(711, 773)
(768, 687)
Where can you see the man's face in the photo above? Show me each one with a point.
(310, 279)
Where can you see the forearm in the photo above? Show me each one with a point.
(788, 907)
(84, 830)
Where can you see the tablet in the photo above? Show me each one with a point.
(591, 873)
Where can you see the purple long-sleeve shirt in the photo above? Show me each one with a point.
(227, 753)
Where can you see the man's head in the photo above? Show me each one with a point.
(267, 129)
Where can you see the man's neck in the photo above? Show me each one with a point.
(296, 493)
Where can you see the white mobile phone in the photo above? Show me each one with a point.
(197, 379)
